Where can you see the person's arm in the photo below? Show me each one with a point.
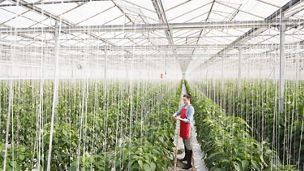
(178, 112)
(189, 115)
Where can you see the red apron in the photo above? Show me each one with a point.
(184, 127)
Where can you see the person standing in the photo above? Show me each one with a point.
(186, 112)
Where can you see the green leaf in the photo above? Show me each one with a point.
(64, 132)
(219, 169)
(140, 163)
(153, 166)
(21, 157)
(214, 155)
(245, 164)
(255, 165)
(237, 166)
(147, 167)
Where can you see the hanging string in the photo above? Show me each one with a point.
(10, 102)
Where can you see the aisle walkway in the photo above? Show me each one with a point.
(197, 156)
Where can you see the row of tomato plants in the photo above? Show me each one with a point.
(24, 130)
(119, 130)
(226, 140)
(257, 102)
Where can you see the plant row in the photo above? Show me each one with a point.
(100, 126)
(257, 102)
(226, 140)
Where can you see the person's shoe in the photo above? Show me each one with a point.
(185, 157)
(189, 157)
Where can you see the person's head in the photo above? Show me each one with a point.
(187, 99)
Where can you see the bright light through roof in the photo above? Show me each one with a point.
(197, 31)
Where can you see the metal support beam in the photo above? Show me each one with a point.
(222, 73)
(48, 2)
(163, 19)
(282, 65)
(56, 19)
(255, 30)
(200, 34)
(40, 11)
(160, 26)
(158, 6)
(133, 22)
(271, 47)
(55, 94)
(158, 56)
(239, 71)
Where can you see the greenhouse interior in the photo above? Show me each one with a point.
(152, 85)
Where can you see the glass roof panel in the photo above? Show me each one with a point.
(20, 22)
(143, 3)
(188, 16)
(6, 15)
(277, 3)
(31, 1)
(34, 16)
(5, 2)
(57, 9)
(104, 17)
(259, 8)
(186, 7)
(82, 13)
(170, 4)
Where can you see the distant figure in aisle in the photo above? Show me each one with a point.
(185, 112)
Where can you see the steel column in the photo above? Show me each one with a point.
(282, 65)
(239, 72)
(55, 93)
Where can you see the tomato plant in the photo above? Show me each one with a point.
(226, 140)
(95, 127)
